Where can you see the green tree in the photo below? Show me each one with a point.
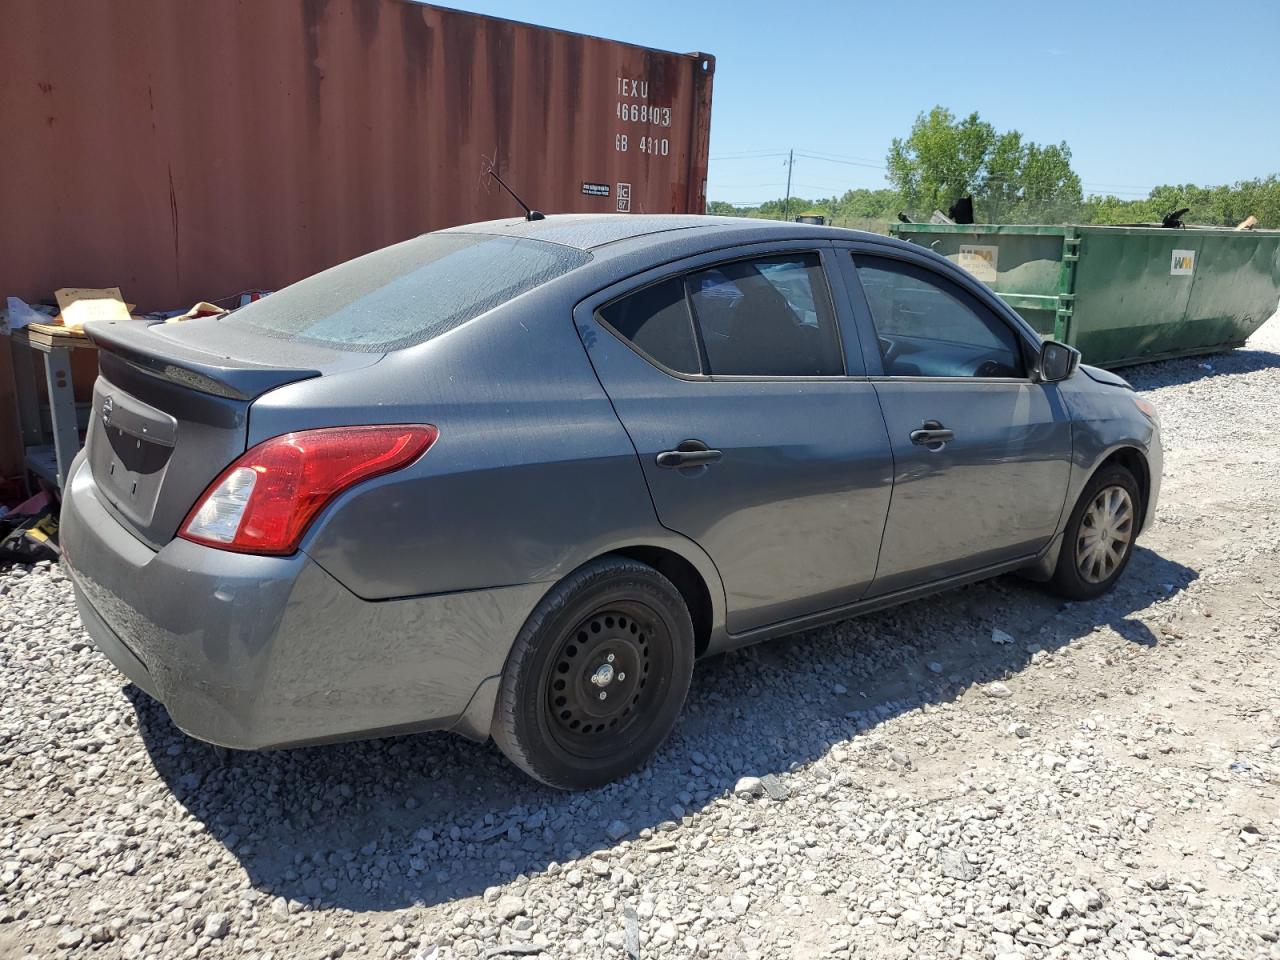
(1001, 177)
(1050, 189)
(783, 208)
(1220, 206)
(1009, 178)
(867, 204)
(941, 160)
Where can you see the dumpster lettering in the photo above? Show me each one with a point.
(1184, 263)
(981, 260)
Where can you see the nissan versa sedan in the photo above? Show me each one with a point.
(512, 479)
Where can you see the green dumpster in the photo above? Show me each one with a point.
(1122, 295)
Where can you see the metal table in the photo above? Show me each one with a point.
(49, 464)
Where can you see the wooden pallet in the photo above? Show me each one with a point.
(54, 335)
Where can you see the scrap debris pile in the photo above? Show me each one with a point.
(73, 307)
(29, 504)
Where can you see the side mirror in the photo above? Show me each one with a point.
(1057, 361)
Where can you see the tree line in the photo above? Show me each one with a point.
(1011, 180)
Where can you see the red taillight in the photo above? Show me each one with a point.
(264, 501)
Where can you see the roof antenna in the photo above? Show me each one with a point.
(529, 212)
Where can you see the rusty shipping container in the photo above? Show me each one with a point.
(187, 151)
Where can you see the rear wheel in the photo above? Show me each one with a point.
(1099, 537)
(597, 676)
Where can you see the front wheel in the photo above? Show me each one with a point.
(1099, 537)
(597, 676)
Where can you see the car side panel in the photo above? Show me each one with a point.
(793, 512)
(993, 494)
(1107, 420)
(253, 652)
(532, 474)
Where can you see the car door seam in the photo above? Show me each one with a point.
(893, 487)
(653, 502)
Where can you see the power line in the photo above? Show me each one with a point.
(819, 186)
(1129, 189)
(827, 154)
(749, 156)
(753, 151)
(809, 154)
(791, 154)
(1120, 190)
(847, 163)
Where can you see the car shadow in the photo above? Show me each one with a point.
(1170, 373)
(387, 824)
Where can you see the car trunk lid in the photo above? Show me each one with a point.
(171, 410)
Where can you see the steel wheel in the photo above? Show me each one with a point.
(596, 691)
(1105, 534)
(597, 675)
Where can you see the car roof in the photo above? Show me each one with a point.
(621, 244)
(591, 231)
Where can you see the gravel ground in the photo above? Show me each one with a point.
(1093, 780)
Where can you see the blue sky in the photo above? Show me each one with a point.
(1143, 92)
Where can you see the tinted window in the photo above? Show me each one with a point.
(409, 292)
(767, 317)
(927, 327)
(656, 320)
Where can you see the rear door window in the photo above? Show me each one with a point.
(410, 292)
(767, 317)
(656, 322)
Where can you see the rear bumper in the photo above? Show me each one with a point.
(257, 652)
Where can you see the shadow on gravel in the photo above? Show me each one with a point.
(1170, 373)
(386, 824)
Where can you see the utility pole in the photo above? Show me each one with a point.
(786, 204)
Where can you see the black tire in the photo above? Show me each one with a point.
(614, 627)
(1075, 577)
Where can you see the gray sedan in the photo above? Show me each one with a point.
(512, 479)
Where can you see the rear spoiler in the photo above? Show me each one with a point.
(221, 376)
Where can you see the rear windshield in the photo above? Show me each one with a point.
(410, 292)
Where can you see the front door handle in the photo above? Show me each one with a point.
(689, 453)
(932, 434)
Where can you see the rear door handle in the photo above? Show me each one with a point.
(932, 432)
(689, 453)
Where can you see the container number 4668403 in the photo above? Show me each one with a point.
(643, 113)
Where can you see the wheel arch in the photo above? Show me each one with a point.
(1126, 455)
(688, 579)
(1135, 461)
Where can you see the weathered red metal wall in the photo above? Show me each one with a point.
(188, 150)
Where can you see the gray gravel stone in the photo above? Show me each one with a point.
(217, 925)
(508, 907)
